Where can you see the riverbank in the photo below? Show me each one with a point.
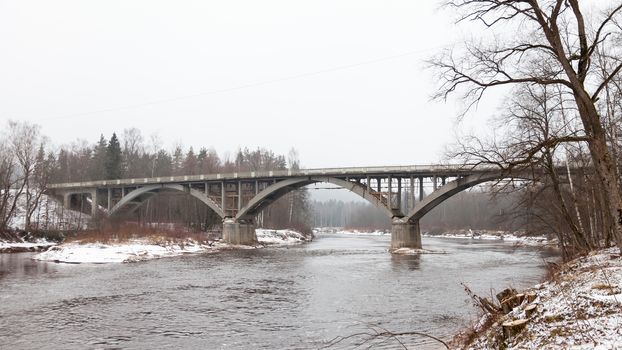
(154, 247)
(487, 235)
(20, 247)
(578, 307)
(515, 238)
(345, 231)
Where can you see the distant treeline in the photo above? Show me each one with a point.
(354, 215)
(475, 209)
(28, 164)
(129, 156)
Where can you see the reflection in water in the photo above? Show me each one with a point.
(298, 297)
(20, 265)
(409, 262)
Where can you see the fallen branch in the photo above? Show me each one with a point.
(376, 332)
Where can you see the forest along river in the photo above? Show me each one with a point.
(273, 298)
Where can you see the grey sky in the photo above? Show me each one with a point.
(341, 81)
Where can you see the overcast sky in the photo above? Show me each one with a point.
(343, 82)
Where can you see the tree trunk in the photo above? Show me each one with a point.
(590, 118)
(605, 170)
(579, 236)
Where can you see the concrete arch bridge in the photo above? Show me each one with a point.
(238, 198)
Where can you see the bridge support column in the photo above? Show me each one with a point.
(239, 232)
(94, 201)
(405, 234)
(67, 201)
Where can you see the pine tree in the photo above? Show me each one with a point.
(178, 159)
(202, 160)
(63, 172)
(113, 158)
(98, 162)
(190, 163)
(163, 164)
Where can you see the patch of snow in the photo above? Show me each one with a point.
(579, 308)
(279, 237)
(340, 230)
(415, 251)
(493, 235)
(144, 249)
(135, 250)
(25, 246)
(364, 233)
(49, 215)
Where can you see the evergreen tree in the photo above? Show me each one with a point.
(209, 162)
(202, 160)
(63, 172)
(190, 163)
(178, 160)
(239, 160)
(163, 164)
(113, 158)
(98, 162)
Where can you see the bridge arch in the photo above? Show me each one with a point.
(154, 189)
(281, 188)
(450, 189)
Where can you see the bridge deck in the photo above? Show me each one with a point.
(353, 172)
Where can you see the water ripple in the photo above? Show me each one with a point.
(263, 299)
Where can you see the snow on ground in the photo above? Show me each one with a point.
(340, 230)
(49, 215)
(279, 237)
(579, 308)
(493, 235)
(415, 251)
(146, 249)
(14, 247)
(364, 233)
(460, 234)
(131, 251)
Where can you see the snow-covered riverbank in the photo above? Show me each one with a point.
(340, 230)
(280, 237)
(493, 235)
(459, 234)
(133, 250)
(17, 247)
(49, 215)
(580, 307)
(153, 248)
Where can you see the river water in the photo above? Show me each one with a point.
(273, 298)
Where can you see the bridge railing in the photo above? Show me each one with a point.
(421, 170)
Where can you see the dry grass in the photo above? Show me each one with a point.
(488, 317)
(490, 312)
(601, 286)
(463, 339)
(125, 233)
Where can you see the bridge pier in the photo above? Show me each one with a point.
(67, 200)
(239, 232)
(405, 234)
(94, 201)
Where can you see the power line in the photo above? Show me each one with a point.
(239, 87)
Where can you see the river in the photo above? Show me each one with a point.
(273, 298)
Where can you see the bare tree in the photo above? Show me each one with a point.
(554, 32)
(7, 184)
(155, 146)
(133, 149)
(534, 123)
(39, 182)
(25, 142)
